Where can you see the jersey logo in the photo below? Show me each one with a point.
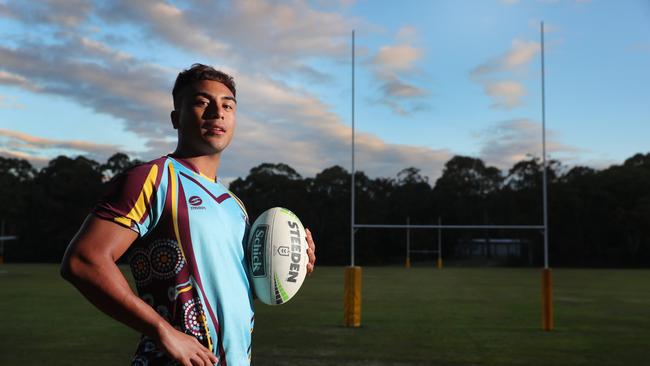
(196, 202)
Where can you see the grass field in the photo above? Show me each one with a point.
(421, 316)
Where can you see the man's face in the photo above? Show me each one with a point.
(206, 117)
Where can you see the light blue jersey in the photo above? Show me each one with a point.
(188, 262)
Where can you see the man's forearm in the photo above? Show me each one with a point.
(104, 285)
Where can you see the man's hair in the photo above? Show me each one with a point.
(196, 73)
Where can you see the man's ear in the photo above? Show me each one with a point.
(174, 117)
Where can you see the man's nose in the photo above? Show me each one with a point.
(213, 112)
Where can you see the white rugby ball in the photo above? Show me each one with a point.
(277, 255)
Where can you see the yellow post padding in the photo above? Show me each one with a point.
(352, 304)
(547, 300)
(439, 263)
(408, 263)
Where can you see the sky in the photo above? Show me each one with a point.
(433, 79)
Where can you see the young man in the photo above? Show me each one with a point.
(186, 238)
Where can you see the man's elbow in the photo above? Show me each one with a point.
(66, 271)
(72, 267)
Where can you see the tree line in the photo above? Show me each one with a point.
(596, 217)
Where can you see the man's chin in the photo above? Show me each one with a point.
(215, 147)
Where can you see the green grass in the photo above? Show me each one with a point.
(421, 316)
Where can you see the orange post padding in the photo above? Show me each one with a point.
(547, 300)
(352, 304)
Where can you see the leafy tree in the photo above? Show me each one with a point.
(596, 217)
(116, 164)
(63, 193)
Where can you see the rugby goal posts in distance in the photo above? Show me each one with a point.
(439, 227)
(352, 290)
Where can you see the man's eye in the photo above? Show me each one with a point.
(228, 106)
(201, 103)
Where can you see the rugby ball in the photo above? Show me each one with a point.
(277, 255)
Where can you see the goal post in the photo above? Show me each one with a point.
(547, 302)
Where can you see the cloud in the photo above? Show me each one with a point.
(272, 112)
(518, 56)
(312, 136)
(97, 77)
(392, 65)
(7, 78)
(166, 22)
(39, 149)
(35, 160)
(255, 35)
(397, 58)
(508, 93)
(10, 103)
(59, 13)
(508, 142)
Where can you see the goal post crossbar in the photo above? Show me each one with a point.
(459, 227)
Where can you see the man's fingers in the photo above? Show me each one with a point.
(312, 257)
(197, 360)
(206, 359)
(311, 251)
(212, 357)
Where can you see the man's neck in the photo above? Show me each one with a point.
(207, 165)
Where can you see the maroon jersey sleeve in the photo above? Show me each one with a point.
(133, 197)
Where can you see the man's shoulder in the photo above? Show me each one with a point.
(146, 167)
(134, 178)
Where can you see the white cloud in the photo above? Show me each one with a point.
(254, 35)
(402, 57)
(515, 59)
(7, 78)
(166, 22)
(393, 66)
(278, 39)
(505, 94)
(38, 149)
(508, 142)
(407, 34)
(508, 93)
(67, 14)
(521, 53)
(36, 160)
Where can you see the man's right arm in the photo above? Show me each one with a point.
(89, 264)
